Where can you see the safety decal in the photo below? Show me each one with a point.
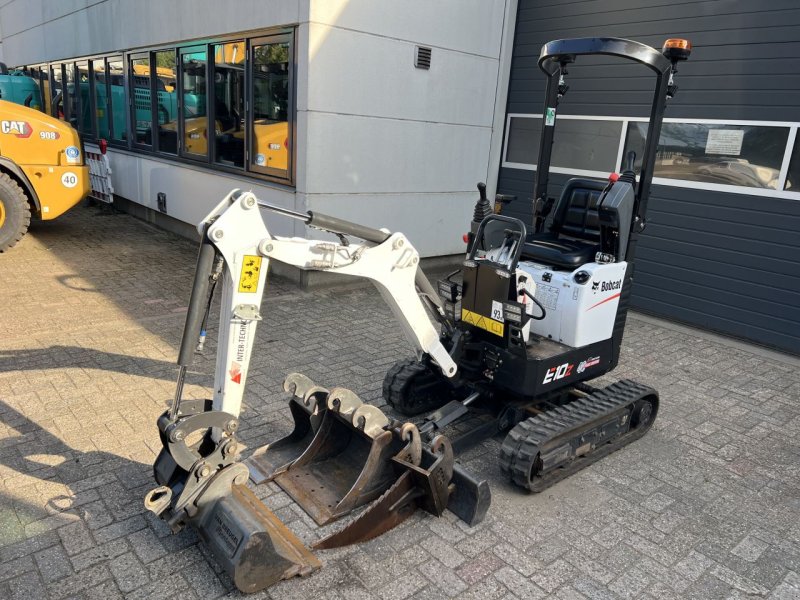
(21, 129)
(73, 153)
(235, 372)
(550, 117)
(69, 179)
(261, 160)
(482, 322)
(251, 269)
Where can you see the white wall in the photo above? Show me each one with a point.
(378, 141)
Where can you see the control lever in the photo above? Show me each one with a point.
(629, 173)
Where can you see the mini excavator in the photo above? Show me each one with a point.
(535, 316)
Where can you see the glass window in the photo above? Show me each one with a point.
(229, 104)
(118, 106)
(166, 101)
(57, 77)
(83, 99)
(35, 96)
(102, 124)
(793, 176)
(194, 119)
(586, 144)
(142, 116)
(68, 88)
(269, 152)
(742, 155)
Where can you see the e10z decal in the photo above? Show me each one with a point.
(559, 372)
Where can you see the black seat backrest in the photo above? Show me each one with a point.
(575, 214)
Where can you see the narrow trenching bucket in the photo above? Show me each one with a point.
(307, 405)
(348, 462)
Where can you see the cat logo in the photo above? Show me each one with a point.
(21, 129)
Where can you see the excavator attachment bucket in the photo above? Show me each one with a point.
(247, 539)
(256, 549)
(348, 462)
(307, 405)
(424, 481)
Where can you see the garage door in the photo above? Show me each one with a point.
(722, 245)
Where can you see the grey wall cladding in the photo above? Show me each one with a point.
(727, 262)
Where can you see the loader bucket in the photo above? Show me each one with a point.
(306, 406)
(347, 463)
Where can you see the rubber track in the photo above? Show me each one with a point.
(524, 442)
(396, 384)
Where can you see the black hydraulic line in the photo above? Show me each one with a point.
(194, 316)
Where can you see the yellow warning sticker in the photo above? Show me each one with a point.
(251, 269)
(484, 323)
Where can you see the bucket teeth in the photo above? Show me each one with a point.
(306, 406)
(302, 387)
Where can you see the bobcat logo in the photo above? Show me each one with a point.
(595, 285)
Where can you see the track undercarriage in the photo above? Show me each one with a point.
(547, 440)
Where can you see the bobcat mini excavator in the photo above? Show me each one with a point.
(536, 315)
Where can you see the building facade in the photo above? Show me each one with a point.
(388, 113)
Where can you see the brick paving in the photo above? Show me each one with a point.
(707, 505)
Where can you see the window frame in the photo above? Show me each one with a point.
(249, 79)
(682, 183)
(125, 57)
(182, 152)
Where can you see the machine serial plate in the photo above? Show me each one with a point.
(248, 279)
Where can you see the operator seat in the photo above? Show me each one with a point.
(573, 238)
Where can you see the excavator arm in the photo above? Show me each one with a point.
(239, 235)
(342, 453)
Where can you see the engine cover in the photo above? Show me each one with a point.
(578, 314)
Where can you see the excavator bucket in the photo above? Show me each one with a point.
(248, 540)
(307, 404)
(348, 462)
(424, 481)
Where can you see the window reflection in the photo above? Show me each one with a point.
(193, 115)
(793, 176)
(142, 109)
(100, 91)
(118, 105)
(586, 144)
(270, 145)
(83, 104)
(229, 103)
(166, 101)
(743, 155)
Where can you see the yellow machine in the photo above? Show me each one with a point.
(42, 170)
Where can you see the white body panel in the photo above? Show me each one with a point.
(577, 314)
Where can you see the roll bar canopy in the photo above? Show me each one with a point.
(553, 60)
(556, 50)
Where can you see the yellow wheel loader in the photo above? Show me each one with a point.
(42, 170)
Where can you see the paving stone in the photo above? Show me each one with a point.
(750, 548)
(53, 564)
(128, 572)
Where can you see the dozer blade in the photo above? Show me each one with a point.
(256, 549)
(307, 404)
(418, 486)
(347, 463)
